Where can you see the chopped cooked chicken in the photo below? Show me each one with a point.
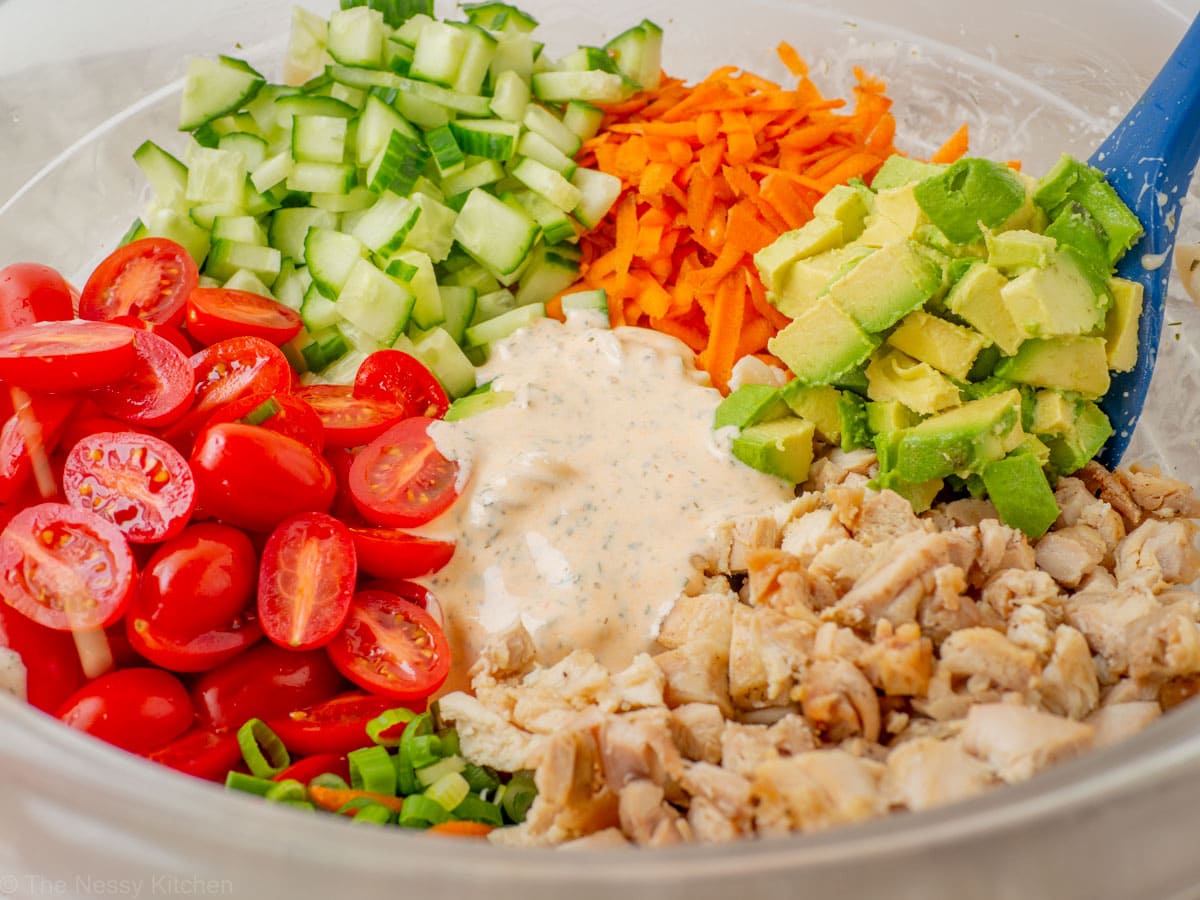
(783, 582)
(697, 729)
(967, 511)
(1158, 494)
(987, 655)
(1069, 684)
(900, 661)
(1070, 554)
(927, 772)
(885, 516)
(1017, 741)
(1079, 507)
(511, 653)
(807, 535)
(700, 617)
(839, 702)
(815, 790)
(486, 737)
(740, 537)
(767, 652)
(647, 819)
(697, 672)
(1001, 547)
(1157, 554)
(1111, 490)
(632, 749)
(640, 685)
(1121, 720)
(839, 467)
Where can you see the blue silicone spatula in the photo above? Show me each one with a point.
(1149, 159)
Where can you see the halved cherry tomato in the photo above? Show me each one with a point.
(66, 356)
(306, 581)
(156, 391)
(52, 669)
(149, 278)
(33, 293)
(191, 652)
(81, 425)
(254, 478)
(49, 414)
(400, 479)
(412, 591)
(200, 753)
(403, 379)
(392, 553)
(338, 725)
(217, 314)
(65, 567)
(138, 482)
(265, 682)
(285, 413)
(349, 421)
(139, 710)
(305, 770)
(340, 460)
(239, 366)
(168, 333)
(391, 647)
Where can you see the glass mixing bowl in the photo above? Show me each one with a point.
(82, 83)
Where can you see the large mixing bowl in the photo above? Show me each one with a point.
(82, 83)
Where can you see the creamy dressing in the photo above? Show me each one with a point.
(587, 497)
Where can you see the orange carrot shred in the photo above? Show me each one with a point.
(790, 58)
(954, 147)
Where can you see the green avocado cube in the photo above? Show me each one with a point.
(1053, 413)
(885, 416)
(1082, 441)
(822, 343)
(970, 193)
(1075, 363)
(1057, 299)
(887, 285)
(818, 403)
(1076, 230)
(1013, 252)
(815, 236)
(1072, 180)
(947, 347)
(749, 405)
(960, 440)
(853, 380)
(976, 299)
(783, 448)
(1022, 495)
(898, 171)
(892, 375)
(896, 217)
(852, 412)
(808, 279)
(1121, 325)
(919, 495)
(847, 205)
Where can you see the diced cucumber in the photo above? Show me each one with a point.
(446, 360)
(476, 59)
(398, 164)
(356, 36)
(550, 271)
(493, 233)
(291, 285)
(353, 96)
(583, 118)
(322, 178)
(556, 225)
(289, 106)
(586, 300)
(238, 228)
(598, 192)
(375, 302)
(475, 403)
(341, 370)
(534, 146)
(354, 199)
(510, 96)
(306, 46)
(318, 312)
(447, 155)
(204, 214)
(474, 276)
(215, 176)
(499, 17)
(592, 86)
(226, 257)
(438, 53)
(638, 54)
(484, 172)
(467, 104)
(265, 114)
(422, 112)
(245, 280)
(515, 52)
(289, 227)
(539, 119)
(540, 178)
(382, 228)
(135, 232)
(174, 225)
(330, 256)
(358, 339)
(375, 127)
(410, 32)
(433, 232)
(167, 175)
(492, 304)
(214, 88)
(427, 306)
(486, 137)
(503, 325)
(319, 139)
(251, 146)
(458, 306)
(272, 171)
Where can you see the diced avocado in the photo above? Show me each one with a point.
(975, 298)
(1028, 216)
(1013, 252)
(846, 205)
(819, 404)
(1033, 445)
(783, 448)
(807, 279)
(1070, 180)
(1082, 441)
(1053, 413)
(815, 236)
(1055, 187)
(853, 380)
(919, 495)
(1057, 299)
(892, 375)
(971, 193)
(1074, 363)
(898, 171)
(932, 237)
(884, 416)
(947, 347)
(1121, 326)
(887, 285)
(822, 343)
(985, 363)
(958, 268)
(477, 402)
(963, 439)
(896, 217)
(749, 405)
(1018, 489)
(1075, 228)
(852, 411)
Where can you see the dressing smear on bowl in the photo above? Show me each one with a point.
(586, 497)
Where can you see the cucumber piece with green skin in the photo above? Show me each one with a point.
(550, 270)
(541, 120)
(215, 176)
(434, 229)
(375, 302)
(438, 53)
(583, 118)
(493, 233)
(510, 96)
(398, 165)
(499, 17)
(318, 312)
(374, 128)
(638, 54)
(251, 146)
(447, 155)
(476, 58)
(272, 172)
(245, 280)
(501, 326)
(598, 192)
(214, 88)
(383, 227)
(289, 227)
(540, 178)
(319, 139)
(556, 225)
(356, 36)
(239, 228)
(458, 307)
(289, 106)
(422, 283)
(330, 256)
(488, 138)
(227, 257)
(481, 174)
(166, 174)
(492, 304)
(534, 146)
(446, 360)
(591, 86)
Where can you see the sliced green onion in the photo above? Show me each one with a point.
(420, 726)
(301, 804)
(355, 804)
(423, 750)
(406, 776)
(265, 410)
(287, 791)
(385, 722)
(421, 812)
(449, 739)
(519, 795)
(371, 770)
(431, 773)
(262, 749)
(480, 778)
(248, 784)
(329, 780)
(449, 790)
(375, 813)
(474, 809)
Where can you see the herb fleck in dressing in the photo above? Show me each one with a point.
(588, 495)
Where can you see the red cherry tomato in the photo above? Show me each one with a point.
(65, 567)
(265, 682)
(156, 391)
(32, 293)
(391, 647)
(200, 753)
(255, 478)
(239, 366)
(80, 425)
(306, 581)
(66, 356)
(138, 482)
(52, 670)
(403, 379)
(392, 553)
(123, 654)
(338, 725)
(139, 710)
(305, 770)
(411, 591)
(340, 460)
(217, 314)
(349, 421)
(47, 415)
(400, 479)
(285, 413)
(191, 653)
(149, 278)
(168, 333)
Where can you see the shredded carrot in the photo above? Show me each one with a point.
(333, 799)
(711, 173)
(954, 147)
(457, 828)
